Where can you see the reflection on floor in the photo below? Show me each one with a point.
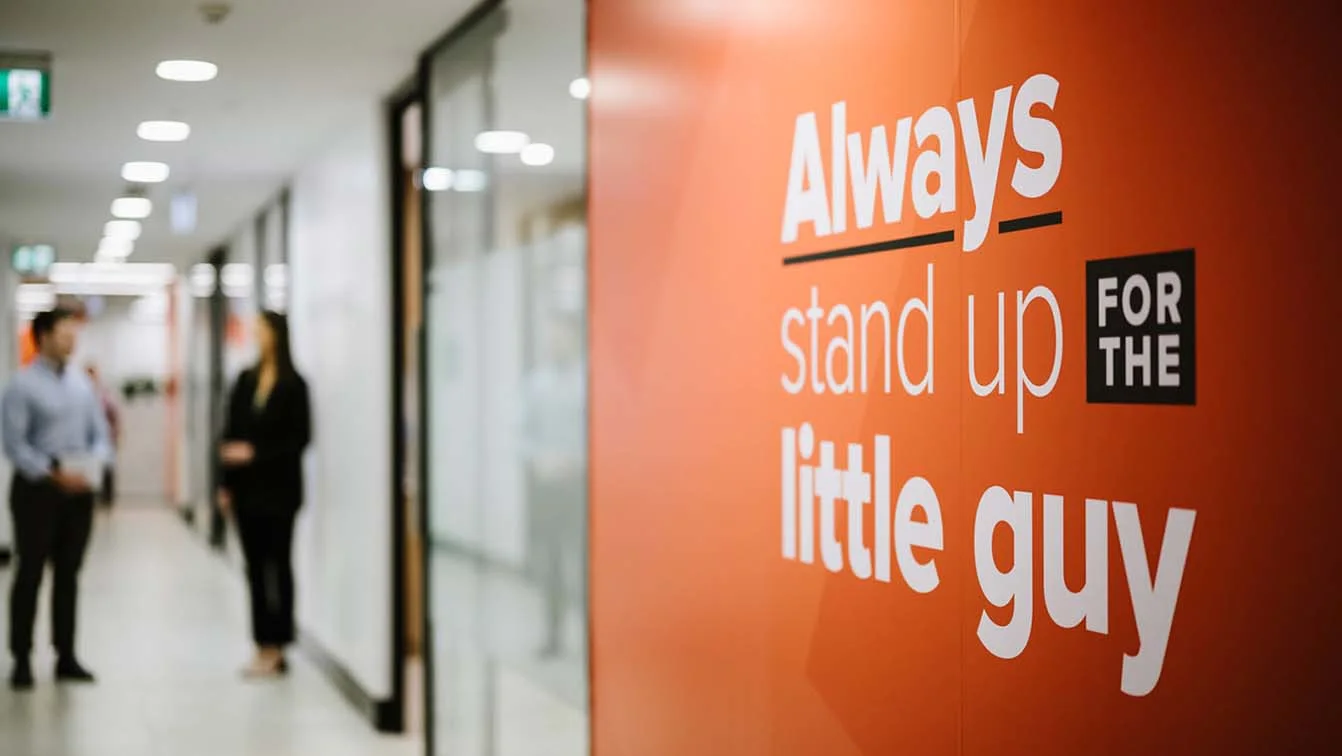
(497, 694)
(164, 623)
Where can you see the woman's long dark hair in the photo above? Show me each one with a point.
(279, 331)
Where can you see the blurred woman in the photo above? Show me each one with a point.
(267, 428)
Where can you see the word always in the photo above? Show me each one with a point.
(824, 203)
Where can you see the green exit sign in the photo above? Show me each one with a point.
(33, 260)
(25, 87)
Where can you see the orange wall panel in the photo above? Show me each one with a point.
(1200, 498)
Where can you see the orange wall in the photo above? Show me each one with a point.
(1180, 127)
(27, 347)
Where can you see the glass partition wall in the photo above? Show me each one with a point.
(506, 383)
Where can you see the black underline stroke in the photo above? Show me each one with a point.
(1029, 222)
(908, 242)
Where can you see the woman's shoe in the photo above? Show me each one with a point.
(261, 669)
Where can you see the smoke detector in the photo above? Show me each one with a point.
(215, 13)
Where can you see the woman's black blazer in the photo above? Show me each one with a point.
(279, 431)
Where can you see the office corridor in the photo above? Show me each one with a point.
(163, 623)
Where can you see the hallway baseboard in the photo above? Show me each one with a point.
(384, 714)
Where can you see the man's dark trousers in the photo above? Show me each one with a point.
(49, 526)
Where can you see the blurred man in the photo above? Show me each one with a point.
(55, 434)
(108, 492)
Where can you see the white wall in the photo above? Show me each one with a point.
(126, 346)
(340, 314)
(123, 346)
(190, 447)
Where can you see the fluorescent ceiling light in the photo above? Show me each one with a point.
(538, 154)
(437, 179)
(202, 273)
(580, 88)
(202, 280)
(469, 180)
(111, 279)
(145, 172)
(238, 280)
(187, 70)
(115, 248)
(127, 230)
(132, 207)
(35, 297)
(501, 142)
(237, 274)
(163, 131)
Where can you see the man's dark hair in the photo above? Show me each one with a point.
(45, 322)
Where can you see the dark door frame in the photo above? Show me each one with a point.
(478, 16)
(218, 323)
(392, 717)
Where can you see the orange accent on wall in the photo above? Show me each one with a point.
(27, 347)
(1182, 126)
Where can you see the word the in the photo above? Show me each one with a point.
(841, 371)
(821, 200)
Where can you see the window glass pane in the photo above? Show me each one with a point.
(506, 392)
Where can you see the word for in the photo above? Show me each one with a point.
(820, 199)
(844, 368)
(1138, 358)
(812, 482)
(1140, 329)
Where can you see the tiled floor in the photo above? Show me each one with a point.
(164, 624)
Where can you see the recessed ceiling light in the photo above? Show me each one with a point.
(115, 248)
(469, 180)
(144, 172)
(538, 154)
(501, 142)
(132, 207)
(187, 70)
(163, 131)
(127, 230)
(580, 88)
(437, 179)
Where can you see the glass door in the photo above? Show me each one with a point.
(505, 392)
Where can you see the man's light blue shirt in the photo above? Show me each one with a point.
(48, 413)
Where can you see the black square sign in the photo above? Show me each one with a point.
(1140, 329)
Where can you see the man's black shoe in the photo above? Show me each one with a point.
(69, 670)
(22, 677)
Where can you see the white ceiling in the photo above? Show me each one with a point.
(290, 70)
